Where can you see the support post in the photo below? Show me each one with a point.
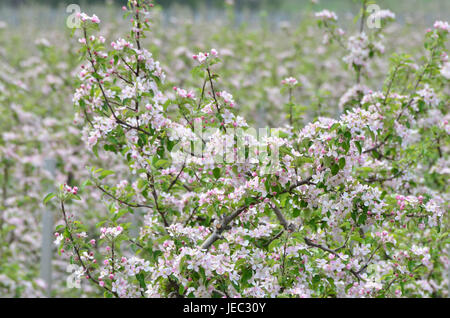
(47, 235)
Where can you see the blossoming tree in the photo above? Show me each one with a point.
(347, 207)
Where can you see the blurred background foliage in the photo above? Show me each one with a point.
(423, 10)
(286, 5)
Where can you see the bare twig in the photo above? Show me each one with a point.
(133, 205)
(220, 228)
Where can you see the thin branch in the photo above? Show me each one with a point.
(119, 121)
(214, 94)
(86, 269)
(135, 243)
(390, 84)
(176, 179)
(155, 197)
(369, 260)
(334, 37)
(220, 228)
(283, 266)
(290, 227)
(190, 216)
(326, 249)
(133, 205)
(418, 81)
(203, 93)
(274, 238)
(363, 17)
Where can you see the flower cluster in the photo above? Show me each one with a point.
(84, 18)
(326, 15)
(290, 81)
(442, 25)
(202, 57)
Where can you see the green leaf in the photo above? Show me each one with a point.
(283, 199)
(141, 279)
(273, 244)
(362, 218)
(105, 173)
(346, 146)
(141, 183)
(267, 184)
(316, 279)
(358, 145)
(342, 163)
(181, 290)
(240, 262)
(249, 201)
(376, 154)
(160, 163)
(348, 135)
(86, 183)
(246, 275)
(48, 197)
(334, 169)
(95, 150)
(216, 173)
